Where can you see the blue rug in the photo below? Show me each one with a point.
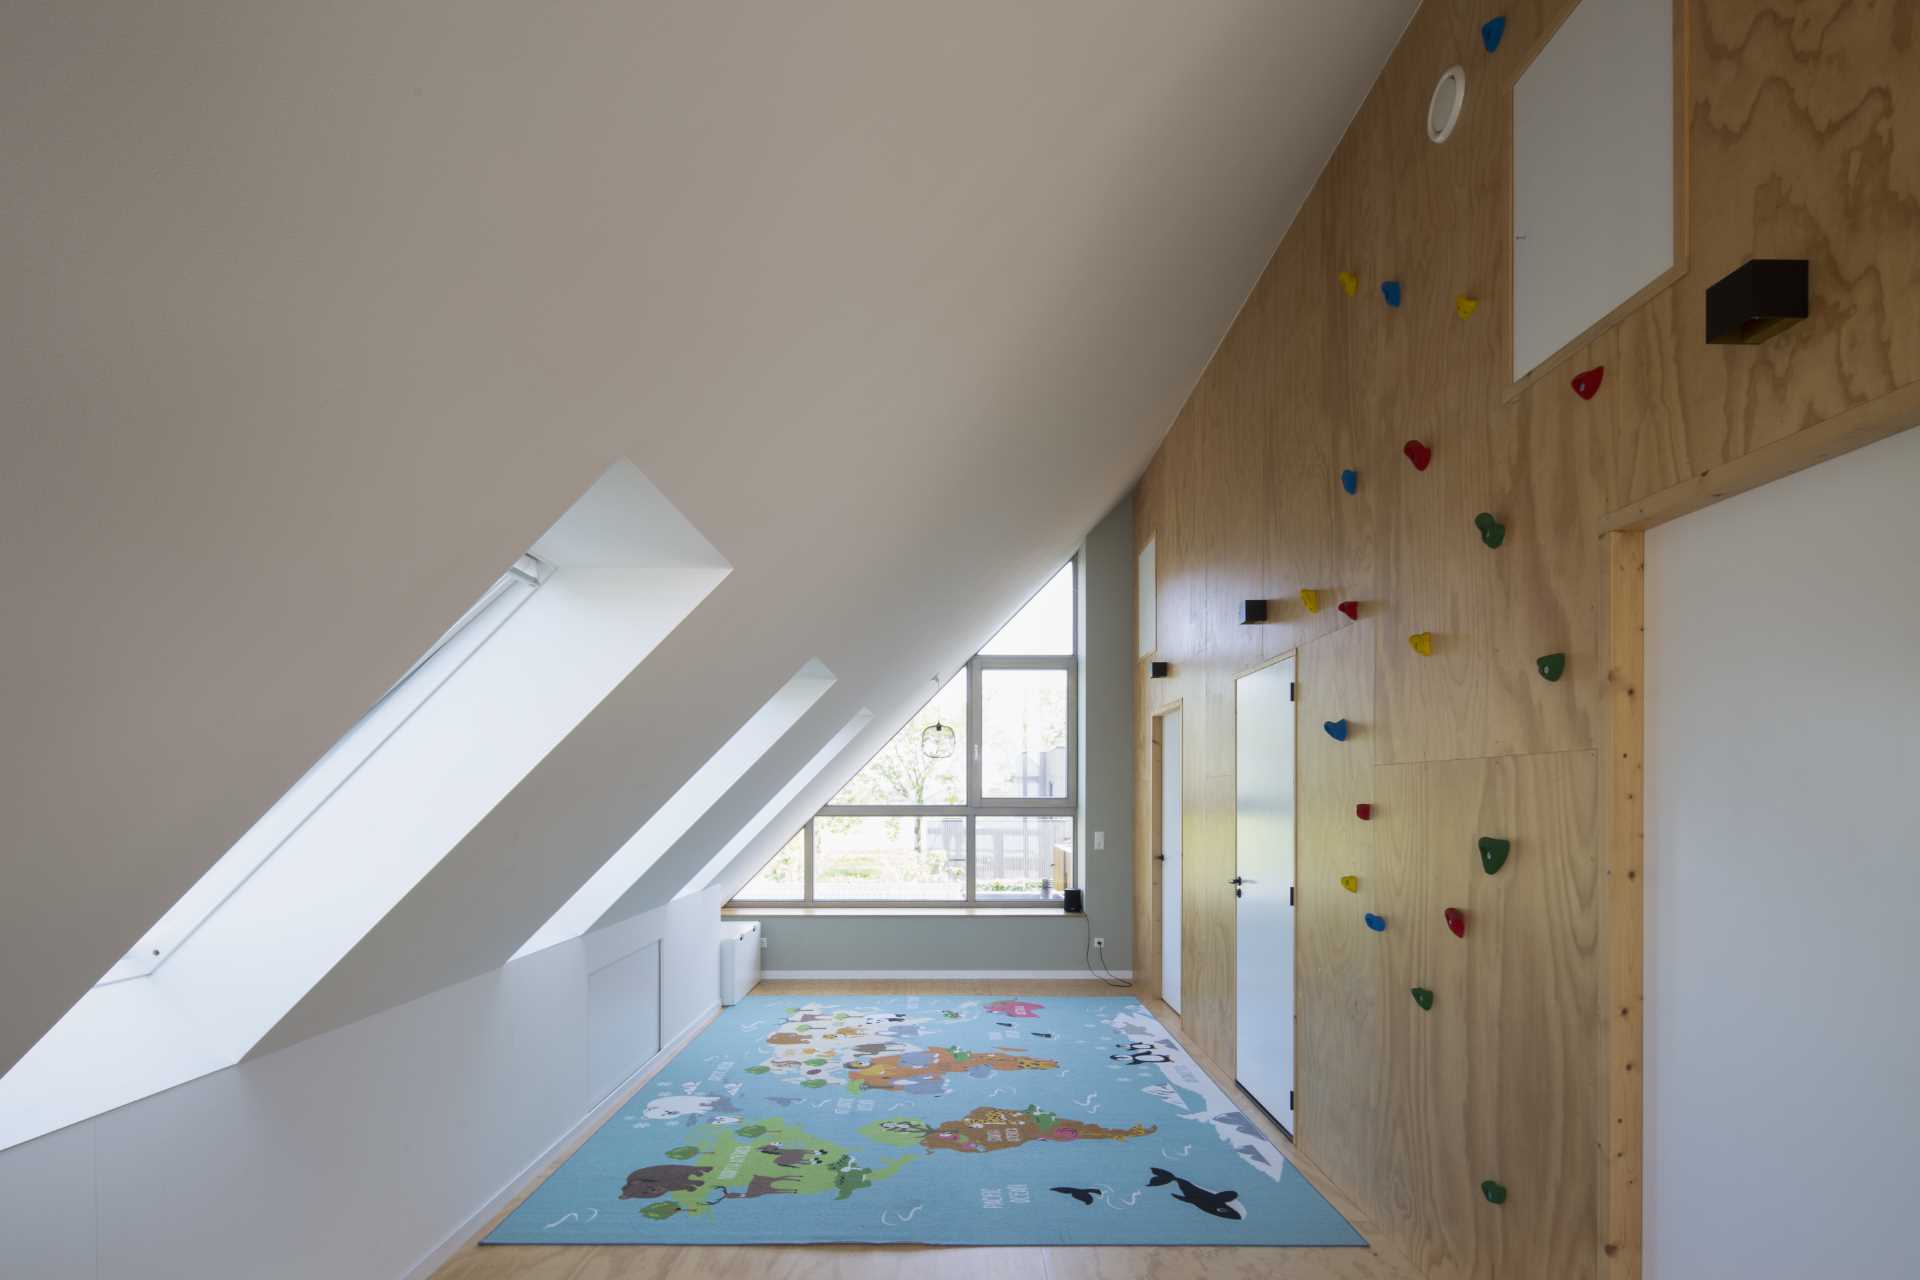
(929, 1120)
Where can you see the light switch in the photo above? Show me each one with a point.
(1099, 840)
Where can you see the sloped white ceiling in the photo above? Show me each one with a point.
(318, 315)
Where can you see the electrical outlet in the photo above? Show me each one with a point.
(763, 942)
(1099, 944)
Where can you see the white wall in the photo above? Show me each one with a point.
(1783, 878)
(358, 1152)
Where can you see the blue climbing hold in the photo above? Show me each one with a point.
(1350, 480)
(1376, 923)
(1391, 292)
(1336, 729)
(1491, 31)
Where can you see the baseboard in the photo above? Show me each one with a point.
(445, 1250)
(908, 975)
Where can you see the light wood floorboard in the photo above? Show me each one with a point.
(921, 1262)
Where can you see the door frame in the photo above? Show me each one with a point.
(1291, 654)
(1156, 890)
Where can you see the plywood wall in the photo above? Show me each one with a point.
(1801, 124)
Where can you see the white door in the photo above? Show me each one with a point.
(1263, 880)
(1170, 855)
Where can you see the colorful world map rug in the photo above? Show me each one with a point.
(929, 1120)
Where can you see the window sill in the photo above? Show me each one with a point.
(752, 913)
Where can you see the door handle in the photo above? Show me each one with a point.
(1159, 857)
(1237, 881)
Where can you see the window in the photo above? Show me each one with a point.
(686, 806)
(785, 878)
(972, 801)
(408, 781)
(333, 770)
(723, 859)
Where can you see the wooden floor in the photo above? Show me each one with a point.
(926, 1262)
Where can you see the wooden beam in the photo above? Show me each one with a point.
(1622, 848)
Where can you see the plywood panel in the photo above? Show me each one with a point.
(1804, 142)
(1547, 468)
(1338, 960)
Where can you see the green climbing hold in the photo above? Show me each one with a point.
(1493, 852)
(1423, 997)
(1552, 666)
(1492, 532)
(1493, 1191)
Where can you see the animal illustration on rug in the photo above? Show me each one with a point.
(1218, 1203)
(988, 1129)
(1140, 1053)
(1016, 1008)
(1084, 1195)
(671, 1107)
(922, 1070)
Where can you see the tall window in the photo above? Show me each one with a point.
(972, 801)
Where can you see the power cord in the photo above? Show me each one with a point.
(1110, 979)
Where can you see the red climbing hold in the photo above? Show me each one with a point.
(1363, 812)
(1457, 921)
(1351, 608)
(1586, 384)
(1418, 454)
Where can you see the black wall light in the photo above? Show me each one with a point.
(1252, 611)
(1156, 671)
(1757, 300)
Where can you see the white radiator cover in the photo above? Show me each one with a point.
(739, 959)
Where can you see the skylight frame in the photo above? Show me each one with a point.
(349, 753)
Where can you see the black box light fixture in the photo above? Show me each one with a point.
(1252, 611)
(1156, 671)
(1757, 300)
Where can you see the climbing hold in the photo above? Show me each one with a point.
(1336, 729)
(1552, 666)
(1457, 921)
(1391, 292)
(1350, 283)
(1422, 642)
(1351, 608)
(1463, 305)
(1310, 598)
(1492, 532)
(1585, 384)
(1418, 454)
(1493, 853)
(1491, 30)
(1350, 480)
(1423, 997)
(1493, 1191)
(1376, 923)
(1364, 812)
(1350, 883)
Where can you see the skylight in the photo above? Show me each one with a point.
(772, 808)
(500, 689)
(695, 796)
(283, 821)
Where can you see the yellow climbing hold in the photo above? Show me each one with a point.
(1350, 883)
(1310, 598)
(1463, 306)
(1350, 283)
(1422, 642)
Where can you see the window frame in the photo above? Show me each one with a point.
(976, 805)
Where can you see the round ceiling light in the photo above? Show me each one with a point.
(1444, 109)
